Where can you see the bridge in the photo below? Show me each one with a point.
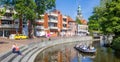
(31, 50)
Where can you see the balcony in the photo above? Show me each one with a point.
(53, 20)
(9, 26)
(39, 27)
(39, 20)
(6, 18)
(53, 14)
(82, 30)
(64, 28)
(64, 22)
(53, 27)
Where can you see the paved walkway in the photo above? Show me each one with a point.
(6, 44)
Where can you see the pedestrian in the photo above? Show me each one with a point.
(16, 49)
(13, 48)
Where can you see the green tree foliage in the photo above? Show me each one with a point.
(108, 18)
(94, 22)
(2, 12)
(43, 5)
(116, 44)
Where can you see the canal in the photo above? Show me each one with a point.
(67, 53)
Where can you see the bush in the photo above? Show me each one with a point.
(116, 44)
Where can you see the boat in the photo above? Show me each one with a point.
(85, 49)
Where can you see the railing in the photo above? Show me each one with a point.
(53, 14)
(53, 20)
(9, 26)
(64, 22)
(53, 27)
(39, 27)
(64, 28)
(6, 18)
(82, 30)
(39, 20)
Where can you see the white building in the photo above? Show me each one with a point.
(82, 30)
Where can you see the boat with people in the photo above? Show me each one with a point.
(85, 49)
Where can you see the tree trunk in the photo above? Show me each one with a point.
(30, 29)
(20, 25)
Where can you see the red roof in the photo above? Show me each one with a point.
(84, 22)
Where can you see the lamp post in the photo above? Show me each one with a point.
(3, 33)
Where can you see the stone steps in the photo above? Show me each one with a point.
(4, 55)
(11, 55)
(18, 58)
(27, 52)
(27, 57)
(32, 58)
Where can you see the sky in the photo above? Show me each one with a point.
(69, 7)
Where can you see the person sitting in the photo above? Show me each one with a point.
(84, 47)
(15, 49)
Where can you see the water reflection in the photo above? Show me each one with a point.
(66, 53)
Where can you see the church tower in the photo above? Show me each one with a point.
(79, 13)
(80, 16)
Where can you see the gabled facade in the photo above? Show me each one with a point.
(72, 27)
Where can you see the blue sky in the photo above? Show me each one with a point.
(69, 7)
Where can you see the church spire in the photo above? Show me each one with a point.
(79, 13)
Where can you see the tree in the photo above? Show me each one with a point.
(94, 20)
(30, 16)
(109, 20)
(2, 12)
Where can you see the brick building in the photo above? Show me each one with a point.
(53, 23)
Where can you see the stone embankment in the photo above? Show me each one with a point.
(31, 50)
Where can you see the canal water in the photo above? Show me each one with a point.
(67, 53)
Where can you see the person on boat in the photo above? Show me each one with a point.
(91, 48)
(84, 47)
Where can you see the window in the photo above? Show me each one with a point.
(64, 19)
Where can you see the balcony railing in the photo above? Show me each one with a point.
(53, 20)
(82, 30)
(39, 20)
(39, 27)
(64, 22)
(53, 14)
(6, 18)
(64, 28)
(53, 27)
(9, 26)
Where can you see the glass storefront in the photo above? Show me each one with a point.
(4, 33)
